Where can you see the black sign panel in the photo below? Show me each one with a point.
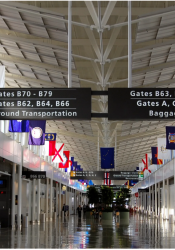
(34, 174)
(114, 187)
(87, 175)
(45, 104)
(99, 175)
(143, 190)
(124, 175)
(137, 103)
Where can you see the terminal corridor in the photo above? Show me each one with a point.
(74, 233)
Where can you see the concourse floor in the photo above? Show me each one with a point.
(141, 232)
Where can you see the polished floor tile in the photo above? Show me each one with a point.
(140, 232)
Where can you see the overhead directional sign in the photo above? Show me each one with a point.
(34, 174)
(141, 103)
(124, 175)
(45, 104)
(99, 175)
(87, 175)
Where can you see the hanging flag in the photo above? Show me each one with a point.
(19, 126)
(50, 144)
(170, 137)
(163, 153)
(75, 165)
(66, 161)
(2, 76)
(107, 158)
(58, 157)
(72, 165)
(36, 132)
(155, 160)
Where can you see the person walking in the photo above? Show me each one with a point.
(64, 209)
(79, 211)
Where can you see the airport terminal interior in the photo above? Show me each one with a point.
(87, 131)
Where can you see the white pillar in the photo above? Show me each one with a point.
(60, 199)
(163, 191)
(13, 196)
(47, 194)
(129, 47)
(20, 188)
(2, 126)
(156, 199)
(168, 198)
(69, 44)
(38, 201)
(57, 199)
(30, 201)
(33, 202)
(51, 187)
(149, 201)
(153, 198)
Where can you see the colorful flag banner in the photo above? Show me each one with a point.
(107, 158)
(163, 153)
(75, 165)
(19, 126)
(37, 132)
(72, 165)
(170, 137)
(50, 144)
(58, 157)
(155, 160)
(66, 161)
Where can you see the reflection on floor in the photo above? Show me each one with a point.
(141, 232)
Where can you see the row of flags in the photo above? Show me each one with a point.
(37, 136)
(159, 153)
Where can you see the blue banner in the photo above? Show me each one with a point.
(37, 132)
(170, 137)
(50, 136)
(19, 126)
(107, 158)
(72, 166)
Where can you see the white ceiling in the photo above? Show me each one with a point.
(33, 47)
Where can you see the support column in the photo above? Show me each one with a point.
(57, 199)
(60, 199)
(51, 187)
(153, 202)
(33, 202)
(69, 44)
(168, 198)
(20, 188)
(38, 190)
(47, 194)
(155, 199)
(129, 47)
(38, 200)
(75, 202)
(163, 191)
(149, 201)
(13, 196)
(141, 202)
(159, 211)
